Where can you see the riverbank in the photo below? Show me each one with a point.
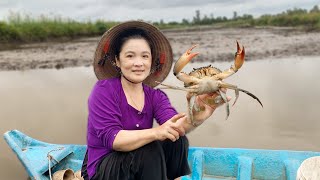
(215, 44)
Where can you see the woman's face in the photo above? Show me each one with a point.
(135, 60)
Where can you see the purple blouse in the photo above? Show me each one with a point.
(109, 112)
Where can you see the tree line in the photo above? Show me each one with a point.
(20, 28)
(292, 17)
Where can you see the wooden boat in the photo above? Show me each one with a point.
(206, 163)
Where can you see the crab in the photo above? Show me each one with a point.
(207, 80)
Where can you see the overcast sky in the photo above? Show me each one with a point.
(148, 10)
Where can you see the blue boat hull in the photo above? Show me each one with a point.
(205, 163)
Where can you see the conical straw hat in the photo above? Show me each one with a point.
(162, 56)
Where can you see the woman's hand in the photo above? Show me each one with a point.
(170, 129)
(207, 105)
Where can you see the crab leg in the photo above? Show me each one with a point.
(250, 94)
(224, 97)
(191, 103)
(189, 89)
(167, 86)
(230, 86)
(191, 98)
(238, 62)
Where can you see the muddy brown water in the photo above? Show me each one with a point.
(51, 105)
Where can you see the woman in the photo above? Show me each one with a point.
(122, 144)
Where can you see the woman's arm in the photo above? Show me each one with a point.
(128, 140)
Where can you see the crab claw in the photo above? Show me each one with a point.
(183, 60)
(239, 57)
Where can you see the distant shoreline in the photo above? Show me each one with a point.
(215, 44)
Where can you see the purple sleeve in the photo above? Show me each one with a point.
(105, 114)
(163, 109)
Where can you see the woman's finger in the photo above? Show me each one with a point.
(179, 125)
(219, 99)
(171, 137)
(180, 130)
(174, 133)
(177, 117)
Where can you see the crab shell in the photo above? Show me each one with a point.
(203, 72)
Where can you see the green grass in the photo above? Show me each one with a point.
(26, 29)
(307, 20)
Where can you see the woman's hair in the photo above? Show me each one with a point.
(131, 34)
